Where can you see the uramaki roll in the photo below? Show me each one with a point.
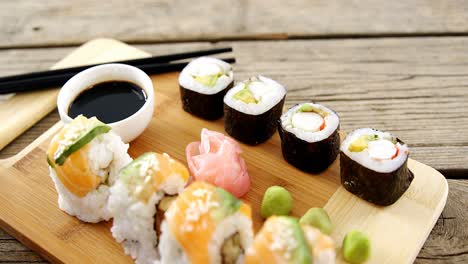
(206, 224)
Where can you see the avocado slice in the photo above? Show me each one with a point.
(127, 173)
(361, 143)
(229, 205)
(49, 162)
(245, 95)
(94, 129)
(310, 108)
(208, 80)
(301, 253)
(130, 175)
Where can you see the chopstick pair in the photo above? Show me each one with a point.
(46, 79)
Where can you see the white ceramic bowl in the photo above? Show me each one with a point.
(128, 128)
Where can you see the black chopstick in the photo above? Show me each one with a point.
(48, 81)
(134, 62)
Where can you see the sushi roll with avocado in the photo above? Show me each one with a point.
(252, 109)
(84, 159)
(203, 84)
(283, 240)
(206, 224)
(142, 192)
(373, 166)
(309, 136)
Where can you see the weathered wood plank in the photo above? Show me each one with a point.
(415, 87)
(30, 22)
(447, 242)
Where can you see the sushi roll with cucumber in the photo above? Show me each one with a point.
(84, 159)
(142, 192)
(374, 166)
(252, 109)
(203, 84)
(283, 240)
(206, 224)
(310, 139)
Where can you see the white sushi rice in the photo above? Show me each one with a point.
(133, 223)
(369, 157)
(323, 250)
(204, 66)
(171, 251)
(107, 154)
(331, 123)
(266, 91)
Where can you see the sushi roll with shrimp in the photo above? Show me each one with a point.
(252, 109)
(283, 240)
(309, 136)
(203, 84)
(206, 224)
(140, 195)
(84, 159)
(374, 166)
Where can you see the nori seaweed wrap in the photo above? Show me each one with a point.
(203, 84)
(373, 166)
(310, 139)
(252, 109)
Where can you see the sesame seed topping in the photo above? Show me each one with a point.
(198, 207)
(283, 238)
(72, 132)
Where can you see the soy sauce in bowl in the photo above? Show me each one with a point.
(109, 101)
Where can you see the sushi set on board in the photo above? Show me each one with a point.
(219, 172)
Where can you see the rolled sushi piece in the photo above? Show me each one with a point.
(206, 224)
(203, 84)
(141, 192)
(309, 136)
(84, 159)
(374, 166)
(252, 109)
(283, 240)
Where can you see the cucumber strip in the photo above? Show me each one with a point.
(85, 139)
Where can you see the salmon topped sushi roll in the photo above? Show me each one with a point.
(145, 185)
(84, 158)
(206, 224)
(283, 240)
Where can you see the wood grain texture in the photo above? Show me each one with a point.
(448, 242)
(414, 87)
(31, 23)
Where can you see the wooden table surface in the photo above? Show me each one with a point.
(400, 66)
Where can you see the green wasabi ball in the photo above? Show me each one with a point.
(356, 247)
(276, 201)
(317, 217)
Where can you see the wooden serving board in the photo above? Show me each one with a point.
(28, 201)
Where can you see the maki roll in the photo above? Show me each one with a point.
(203, 84)
(252, 108)
(145, 185)
(373, 166)
(283, 240)
(84, 159)
(206, 224)
(309, 136)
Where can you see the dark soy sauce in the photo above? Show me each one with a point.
(110, 101)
